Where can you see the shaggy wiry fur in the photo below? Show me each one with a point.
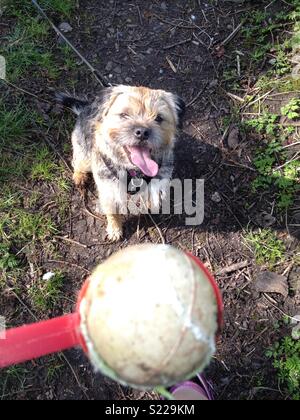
(124, 131)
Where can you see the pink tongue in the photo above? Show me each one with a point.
(140, 156)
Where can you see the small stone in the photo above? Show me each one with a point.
(65, 27)
(48, 276)
(233, 139)
(213, 83)
(296, 328)
(163, 5)
(216, 198)
(128, 80)
(118, 70)
(294, 279)
(109, 66)
(269, 282)
(265, 220)
(108, 252)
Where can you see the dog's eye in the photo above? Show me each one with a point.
(159, 119)
(124, 116)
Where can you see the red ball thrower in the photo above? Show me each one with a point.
(179, 301)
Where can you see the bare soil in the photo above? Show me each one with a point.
(134, 43)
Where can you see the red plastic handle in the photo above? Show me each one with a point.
(37, 340)
(215, 288)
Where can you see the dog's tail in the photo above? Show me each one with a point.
(75, 104)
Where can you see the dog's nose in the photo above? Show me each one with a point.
(142, 133)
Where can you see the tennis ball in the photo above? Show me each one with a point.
(149, 317)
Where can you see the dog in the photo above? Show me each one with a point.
(126, 130)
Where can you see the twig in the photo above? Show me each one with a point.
(239, 165)
(232, 35)
(68, 263)
(171, 65)
(71, 241)
(258, 99)
(185, 41)
(232, 268)
(197, 96)
(238, 62)
(291, 124)
(26, 92)
(89, 212)
(288, 162)
(101, 79)
(51, 145)
(291, 145)
(175, 25)
(156, 226)
(267, 297)
(235, 97)
(232, 213)
(140, 15)
(23, 304)
(62, 356)
(201, 42)
(284, 93)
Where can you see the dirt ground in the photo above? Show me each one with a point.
(172, 45)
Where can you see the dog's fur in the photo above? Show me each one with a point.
(107, 128)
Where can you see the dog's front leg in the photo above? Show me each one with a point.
(160, 186)
(114, 228)
(109, 197)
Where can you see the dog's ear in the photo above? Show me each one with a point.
(178, 106)
(180, 109)
(105, 100)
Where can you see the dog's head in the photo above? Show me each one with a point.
(138, 123)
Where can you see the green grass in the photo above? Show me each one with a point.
(53, 371)
(17, 372)
(20, 155)
(8, 261)
(275, 168)
(20, 226)
(63, 7)
(286, 360)
(9, 198)
(19, 8)
(31, 176)
(27, 47)
(13, 381)
(14, 123)
(46, 294)
(267, 247)
(25, 50)
(292, 109)
(268, 39)
(44, 167)
(70, 62)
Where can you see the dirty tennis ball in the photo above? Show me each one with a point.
(149, 317)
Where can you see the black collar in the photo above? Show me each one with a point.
(135, 178)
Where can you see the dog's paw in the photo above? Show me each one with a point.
(114, 233)
(80, 179)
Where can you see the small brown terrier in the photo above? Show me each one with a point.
(126, 130)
